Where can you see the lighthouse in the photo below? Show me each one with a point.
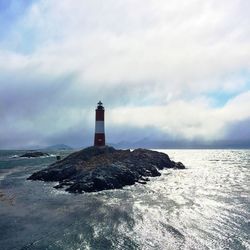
(99, 126)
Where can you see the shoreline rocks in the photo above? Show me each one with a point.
(100, 168)
(34, 154)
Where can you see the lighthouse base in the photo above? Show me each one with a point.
(99, 140)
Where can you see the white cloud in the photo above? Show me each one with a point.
(191, 120)
(182, 45)
(237, 109)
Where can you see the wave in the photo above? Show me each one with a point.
(40, 157)
(14, 156)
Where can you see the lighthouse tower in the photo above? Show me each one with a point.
(99, 126)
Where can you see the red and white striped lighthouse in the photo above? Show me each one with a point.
(99, 126)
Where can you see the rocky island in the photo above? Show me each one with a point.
(34, 154)
(100, 168)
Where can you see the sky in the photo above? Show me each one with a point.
(164, 70)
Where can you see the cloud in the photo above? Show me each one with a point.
(157, 65)
(190, 120)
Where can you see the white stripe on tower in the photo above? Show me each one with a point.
(99, 127)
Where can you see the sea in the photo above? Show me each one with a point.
(205, 206)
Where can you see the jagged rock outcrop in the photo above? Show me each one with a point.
(98, 168)
(34, 154)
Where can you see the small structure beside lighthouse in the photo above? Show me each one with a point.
(99, 126)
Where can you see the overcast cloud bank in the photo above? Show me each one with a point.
(164, 69)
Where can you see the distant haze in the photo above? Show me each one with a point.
(166, 71)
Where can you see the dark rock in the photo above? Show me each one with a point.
(142, 182)
(58, 186)
(100, 168)
(179, 165)
(34, 154)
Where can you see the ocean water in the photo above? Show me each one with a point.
(206, 206)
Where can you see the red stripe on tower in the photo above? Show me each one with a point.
(99, 125)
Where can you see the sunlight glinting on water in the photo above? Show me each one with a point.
(199, 204)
